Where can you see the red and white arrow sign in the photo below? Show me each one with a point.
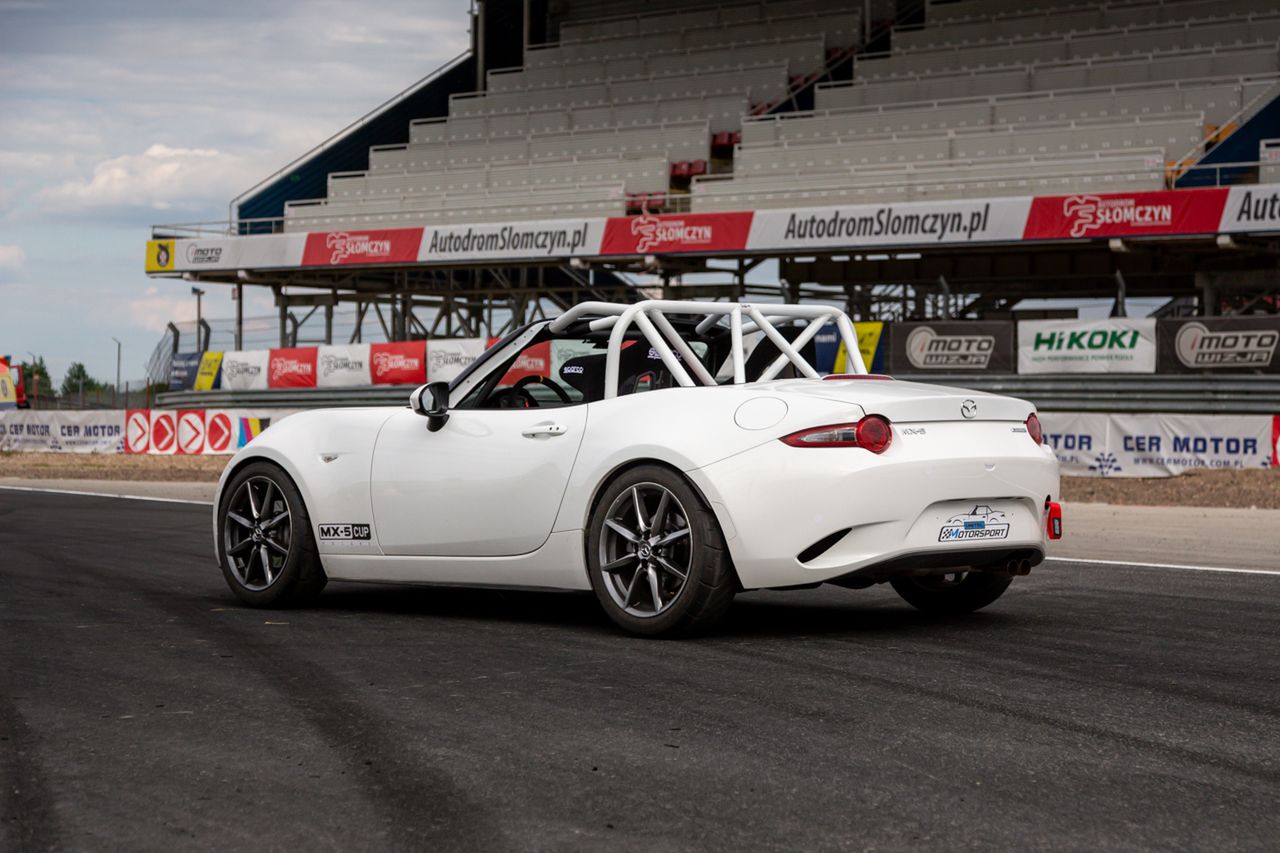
(137, 431)
(218, 433)
(163, 433)
(191, 431)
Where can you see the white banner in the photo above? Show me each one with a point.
(560, 238)
(245, 370)
(343, 366)
(263, 251)
(1117, 345)
(904, 223)
(1100, 445)
(62, 432)
(1251, 208)
(447, 357)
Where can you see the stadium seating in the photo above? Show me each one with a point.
(692, 105)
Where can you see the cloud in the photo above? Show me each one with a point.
(12, 260)
(159, 178)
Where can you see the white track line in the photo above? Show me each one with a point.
(106, 495)
(1131, 565)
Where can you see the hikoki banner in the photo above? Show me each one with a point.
(1111, 445)
(159, 432)
(907, 224)
(1116, 345)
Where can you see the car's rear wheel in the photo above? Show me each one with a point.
(951, 594)
(265, 543)
(656, 556)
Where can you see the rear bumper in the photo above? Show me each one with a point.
(796, 516)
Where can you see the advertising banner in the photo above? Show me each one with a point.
(379, 246)
(534, 361)
(209, 374)
(562, 238)
(164, 433)
(950, 347)
(219, 432)
(245, 370)
(403, 363)
(870, 342)
(1117, 345)
(1219, 343)
(900, 224)
(1275, 442)
(183, 369)
(61, 432)
(1100, 445)
(447, 357)
(668, 233)
(190, 426)
(8, 389)
(292, 367)
(342, 366)
(1251, 208)
(1131, 214)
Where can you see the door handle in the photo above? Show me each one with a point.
(545, 429)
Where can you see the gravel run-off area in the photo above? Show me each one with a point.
(1250, 488)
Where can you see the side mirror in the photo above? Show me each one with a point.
(432, 402)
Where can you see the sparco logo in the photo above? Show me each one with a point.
(387, 361)
(1199, 347)
(1087, 213)
(342, 245)
(201, 255)
(927, 350)
(653, 231)
(331, 364)
(282, 367)
(235, 369)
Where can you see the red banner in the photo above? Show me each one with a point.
(380, 246)
(399, 363)
(1138, 214)
(689, 232)
(292, 368)
(1275, 442)
(534, 361)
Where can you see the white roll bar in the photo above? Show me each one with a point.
(651, 318)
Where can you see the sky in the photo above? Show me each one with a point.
(119, 114)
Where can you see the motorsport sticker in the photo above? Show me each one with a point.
(345, 531)
(982, 522)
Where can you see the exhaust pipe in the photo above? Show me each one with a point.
(1017, 568)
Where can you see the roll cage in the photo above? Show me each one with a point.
(653, 319)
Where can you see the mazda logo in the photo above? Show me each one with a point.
(969, 409)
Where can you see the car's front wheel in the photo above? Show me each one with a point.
(657, 560)
(265, 543)
(951, 594)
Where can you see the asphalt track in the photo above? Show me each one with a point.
(1093, 707)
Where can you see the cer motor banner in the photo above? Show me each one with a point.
(56, 431)
(1117, 345)
(1198, 344)
(974, 346)
(1100, 445)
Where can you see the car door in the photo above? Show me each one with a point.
(488, 483)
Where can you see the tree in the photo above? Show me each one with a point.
(36, 377)
(77, 378)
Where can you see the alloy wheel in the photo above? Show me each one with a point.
(257, 532)
(646, 551)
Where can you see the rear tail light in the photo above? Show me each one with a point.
(871, 433)
(1034, 430)
(1053, 518)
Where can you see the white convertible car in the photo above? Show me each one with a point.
(663, 464)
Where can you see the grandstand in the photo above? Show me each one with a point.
(591, 111)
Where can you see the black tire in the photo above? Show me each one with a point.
(710, 583)
(945, 595)
(297, 576)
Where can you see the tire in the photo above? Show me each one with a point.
(952, 594)
(630, 563)
(279, 532)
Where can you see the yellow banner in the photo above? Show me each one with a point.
(868, 342)
(8, 393)
(207, 374)
(159, 256)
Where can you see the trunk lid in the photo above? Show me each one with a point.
(912, 402)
